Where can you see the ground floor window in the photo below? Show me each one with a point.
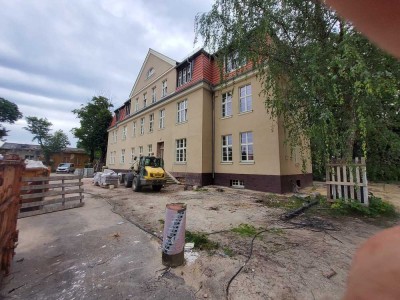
(246, 146)
(181, 150)
(237, 183)
(227, 148)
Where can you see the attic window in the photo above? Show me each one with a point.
(150, 72)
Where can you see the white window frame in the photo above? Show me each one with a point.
(124, 131)
(236, 183)
(116, 136)
(150, 72)
(151, 122)
(122, 156)
(164, 89)
(246, 145)
(153, 95)
(112, 158)
(140, 151)
(246, 98)
(142, 126)
(137, 104)
(226, 104)
(180, 155)
(150, 149)
(132, 154)
(232, 62)
(134, 129)
(144, 100)
(182, 111)
(227, 149)
(161, 123)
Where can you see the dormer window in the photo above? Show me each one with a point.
(150, 72)
(185, 74)
(233, 62)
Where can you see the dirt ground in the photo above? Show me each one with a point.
(287, 262)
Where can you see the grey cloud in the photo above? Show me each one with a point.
(55, 55)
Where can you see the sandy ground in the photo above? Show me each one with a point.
(297, 263)
(88, 253)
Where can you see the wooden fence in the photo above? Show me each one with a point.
(11, 168)
(347, 181)
(39, 196)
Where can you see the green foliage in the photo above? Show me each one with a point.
(200, 241)
(50, 143)
(95, 118)
(332, 88)
(377, 208)
(9, 113)
(228, 251)
(55, 143)
(39, 127)
(245, 230)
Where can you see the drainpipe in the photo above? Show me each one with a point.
(213, 134)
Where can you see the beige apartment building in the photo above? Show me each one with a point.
(208, 130)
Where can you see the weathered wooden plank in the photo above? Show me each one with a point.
(46, 210)
(51, 193)
(51, 178)
(351, 170)
(358, 181)
(345, 186)
(50, 186)
(334, 183)
(365, 184)
(341, 165)
(344, 183)
(339, 179)
(52, 201)
(328, 187)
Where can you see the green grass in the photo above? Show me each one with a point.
(245, 230)
(377, 208)
(228, 251)
(200, 240)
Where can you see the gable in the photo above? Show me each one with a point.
(154, 65)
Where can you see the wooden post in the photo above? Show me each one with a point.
(345, 186)
(63, 195)
(339, 180)
(80, 193)
(365, 181)
(328, 186)
(351, 170)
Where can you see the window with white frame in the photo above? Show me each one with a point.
(182, 111)
(237, 183)
(153, 95)
(233, 62)
(162, 119)
(151, 123)
(142, 126)
(140, 151)
(245, 100)
(246, 146)
(150, 148)
(227, 148)
(181, 150)
(112, 158)
(122, 156)
(112, 137)
(227, 104)
(134, 129)
(164, 88)
(144, 100)
(132, 154)
(115, 136)
(185, 74)
(137, 104)
(150, 72)
(124, 133)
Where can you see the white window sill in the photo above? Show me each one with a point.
(237, 186)
(184, 122)
(245, 112)
(161, 128)
(180, 163)
(226, 162)
(151, 131)
(226, 117)
(250, 162)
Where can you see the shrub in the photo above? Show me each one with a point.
(377, 208)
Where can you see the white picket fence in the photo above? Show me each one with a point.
(347, 181)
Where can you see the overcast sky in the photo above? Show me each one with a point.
(56, 54)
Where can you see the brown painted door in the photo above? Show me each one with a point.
(160, 150)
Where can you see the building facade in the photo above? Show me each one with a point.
(76, 156)
(208, 130)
